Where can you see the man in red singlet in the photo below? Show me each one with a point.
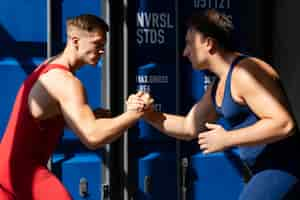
(50, 98)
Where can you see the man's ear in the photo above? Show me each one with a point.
(74, 40)
(211, 44)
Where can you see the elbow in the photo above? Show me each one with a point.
(288, 128)
(92, 143)
(95, 141)
(190, 134)
(193, 134)
(192, 131)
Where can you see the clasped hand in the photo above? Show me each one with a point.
(140, 102)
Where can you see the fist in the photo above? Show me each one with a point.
(148, 100)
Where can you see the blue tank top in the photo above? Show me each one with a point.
(235, 116)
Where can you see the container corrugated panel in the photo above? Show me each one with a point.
(13, 72)
(76, 170)
(157, 178)
(152, 41)
(71, 8)
(23, 29)
(215, 176)
(23, 21)
(160, 81)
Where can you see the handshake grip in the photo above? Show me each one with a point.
(140, 102)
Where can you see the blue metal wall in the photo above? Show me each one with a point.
(152, 155)
(23, 47)
(13, 72)
(23, 21)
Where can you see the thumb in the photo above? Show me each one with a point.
(211, 126)
(140, 93)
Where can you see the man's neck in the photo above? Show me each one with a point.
(220, 62)
(68, 59)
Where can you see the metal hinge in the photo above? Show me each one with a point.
(83, 187)
(147, 184)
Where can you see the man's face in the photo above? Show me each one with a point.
(195, 48)
(91, 46)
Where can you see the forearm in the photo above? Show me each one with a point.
(171, 125)
(108, 130)
(263, 131)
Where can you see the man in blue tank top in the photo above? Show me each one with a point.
(247, 93)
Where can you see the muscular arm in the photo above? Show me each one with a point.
(93, 132)
(184, 127)
(261, 91)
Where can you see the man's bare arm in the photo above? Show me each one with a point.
(94, 133)
(261, 91)
(187, 127)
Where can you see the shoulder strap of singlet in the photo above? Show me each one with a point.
(47, 65)
(213, 94)
(235, 62)
(228, 78)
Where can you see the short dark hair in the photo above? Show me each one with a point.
(88, 22)
(213, 24)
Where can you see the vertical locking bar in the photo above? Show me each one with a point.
(105, 192)
(184, 169)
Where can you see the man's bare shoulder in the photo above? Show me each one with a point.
(255, 68)
(254, 75)
(60, 83)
